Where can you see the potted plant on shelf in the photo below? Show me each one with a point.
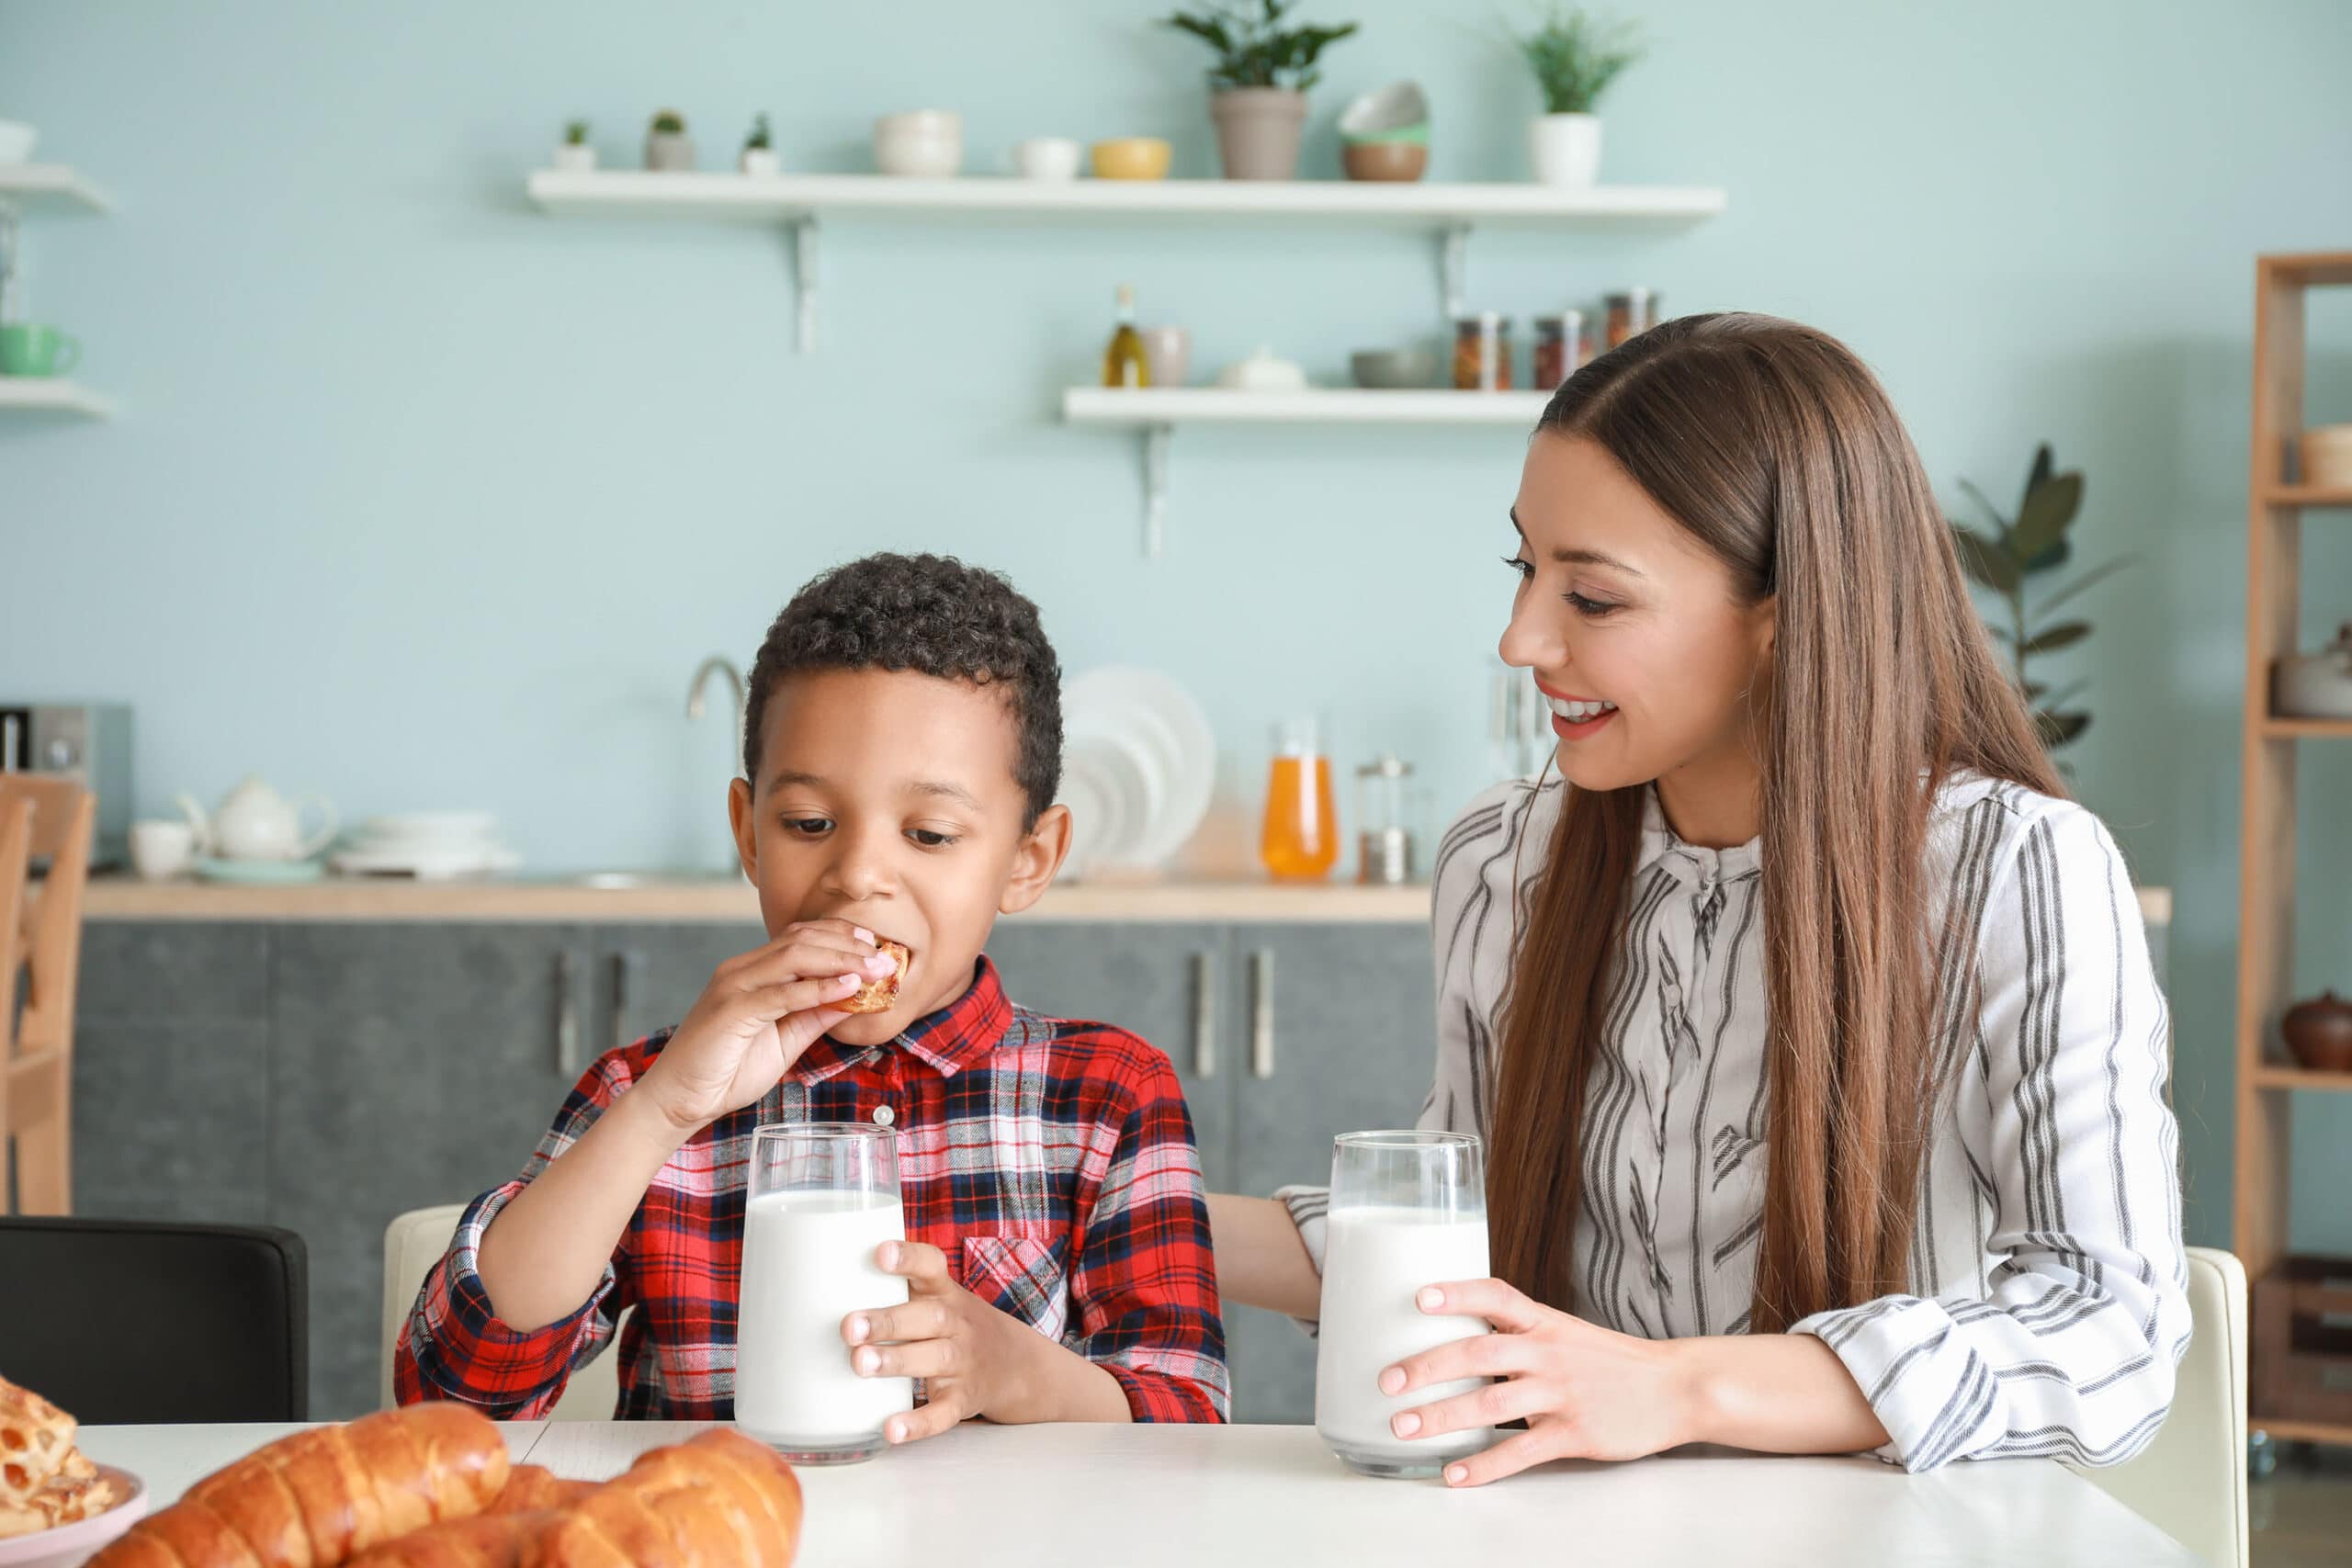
(667, 145)
(1257, 87)
(2026, 547)
(573, 154)
(759, 158)
(1574, 57)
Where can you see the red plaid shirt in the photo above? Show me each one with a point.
(1052, 1162)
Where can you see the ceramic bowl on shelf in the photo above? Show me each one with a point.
(1262, 372)
(921, 144)
(1392, 369)
(1394, 163)
(1132, 158)
(1398, 112)
(2319, 1032)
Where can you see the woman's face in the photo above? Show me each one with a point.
(1634, 629)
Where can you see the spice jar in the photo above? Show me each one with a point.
(1559, 348)
(1384, 812)
(1482, 353)
(1635, 311)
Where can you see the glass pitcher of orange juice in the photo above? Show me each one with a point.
(1301, 841)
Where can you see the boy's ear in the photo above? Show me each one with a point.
(738, 817)
(1036, 861)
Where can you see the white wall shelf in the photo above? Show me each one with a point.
(1157, 412)
(800, 201)
(47, 394)
(49, 186)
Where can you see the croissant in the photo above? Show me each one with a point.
(533, 1488)
(320, 1497)
(718, 1500)
(486, 1540)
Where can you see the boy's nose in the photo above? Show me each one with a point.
(861, 871)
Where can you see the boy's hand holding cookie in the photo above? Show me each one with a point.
(760, 1011)
(976, 1360)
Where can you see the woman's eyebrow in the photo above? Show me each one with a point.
(1581, 557)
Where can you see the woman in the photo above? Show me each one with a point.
(1812, 1032)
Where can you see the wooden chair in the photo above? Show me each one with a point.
(41, 940)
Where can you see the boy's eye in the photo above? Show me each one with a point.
(807, 827)
(929, 839)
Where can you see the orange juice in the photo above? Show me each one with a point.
(1301, 843)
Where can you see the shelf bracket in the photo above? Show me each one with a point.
(1454, 270)
(804, 277)
(8, 260)
(1155, 490)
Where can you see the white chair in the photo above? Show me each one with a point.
(413, 1243)
(2190, 1482)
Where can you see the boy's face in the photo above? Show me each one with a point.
(887, 798)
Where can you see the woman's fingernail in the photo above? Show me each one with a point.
(1392, 1381)
(1455, 1475)
(869, 1362)
(858, 1329)
(1431, 1299)
(1405, 1426)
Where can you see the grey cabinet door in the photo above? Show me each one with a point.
(645, 977)
(1334, 1032)
(171, 1071)
(1162, 982)
(412, 1065)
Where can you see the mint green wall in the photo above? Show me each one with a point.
(419, 497)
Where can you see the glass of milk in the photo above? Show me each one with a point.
(1409, 1209)
(823, 1198)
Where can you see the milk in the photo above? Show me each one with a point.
(808, 1264)
(1375, 1261)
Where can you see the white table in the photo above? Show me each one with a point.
(1237, 1496)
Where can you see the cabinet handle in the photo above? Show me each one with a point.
(1261, 1013)
(623, 964)
(1204, 1016)
(567, 1018)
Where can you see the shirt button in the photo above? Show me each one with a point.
(884, 1116)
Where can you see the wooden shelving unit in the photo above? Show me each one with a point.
(33, 190)
(2266, 1078)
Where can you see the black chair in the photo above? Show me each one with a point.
(137, 1321)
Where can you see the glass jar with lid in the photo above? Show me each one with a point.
(1482, 353)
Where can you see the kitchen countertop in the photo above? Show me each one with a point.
(1146, 1496)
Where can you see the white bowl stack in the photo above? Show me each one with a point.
(431, 846)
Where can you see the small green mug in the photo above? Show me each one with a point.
(28, 349)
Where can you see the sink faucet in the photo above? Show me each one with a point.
(717, 664)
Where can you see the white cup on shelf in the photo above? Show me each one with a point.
(162, 849)
(1048, 158)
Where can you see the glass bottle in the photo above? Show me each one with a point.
(1124, 363)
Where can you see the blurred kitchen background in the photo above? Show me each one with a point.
(418, 494)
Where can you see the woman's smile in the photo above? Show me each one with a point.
(1575, 718)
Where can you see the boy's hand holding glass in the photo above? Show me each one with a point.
(761, 1011)
(974, 1359)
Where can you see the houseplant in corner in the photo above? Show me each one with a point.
(2020, 548)
(1573, 57)
(573, 154)
(759, 158)
(667, 145)
(1257, 87)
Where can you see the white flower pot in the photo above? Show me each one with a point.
(761, 163)
(575, 158)
(670, 152)
(1565, 148)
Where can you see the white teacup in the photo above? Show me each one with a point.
(1049, 158)
(160, 851)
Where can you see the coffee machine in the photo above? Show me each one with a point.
(86, 742)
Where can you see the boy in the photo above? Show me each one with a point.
(902, 746)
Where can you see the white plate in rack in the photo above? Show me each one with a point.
(1168, 743)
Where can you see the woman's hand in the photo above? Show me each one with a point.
(1584, 1392)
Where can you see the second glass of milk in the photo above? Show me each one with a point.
(821, 1199)
(1409, 1209)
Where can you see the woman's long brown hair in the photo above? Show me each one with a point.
(1779, 450)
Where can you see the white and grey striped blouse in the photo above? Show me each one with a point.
(2049, 1302)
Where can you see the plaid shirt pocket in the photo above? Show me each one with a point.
(1020, 1275)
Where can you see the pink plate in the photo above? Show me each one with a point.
(68, 1546)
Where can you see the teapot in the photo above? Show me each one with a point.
(2315, 686)
(254, 822)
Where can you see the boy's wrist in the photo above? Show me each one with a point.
(647, 1125)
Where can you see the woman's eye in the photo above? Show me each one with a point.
(807, 827)
(1525, 568)
(929, 839)
(1594, 608)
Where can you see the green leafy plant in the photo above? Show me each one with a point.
(759, 136)
(2010, 561)
(1574, 56)
(1258, 50)
(575, 134)
(669, 122)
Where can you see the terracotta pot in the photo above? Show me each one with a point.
(1258, 131)
(2319, 1032)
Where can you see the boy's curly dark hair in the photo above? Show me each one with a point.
(936, 616)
